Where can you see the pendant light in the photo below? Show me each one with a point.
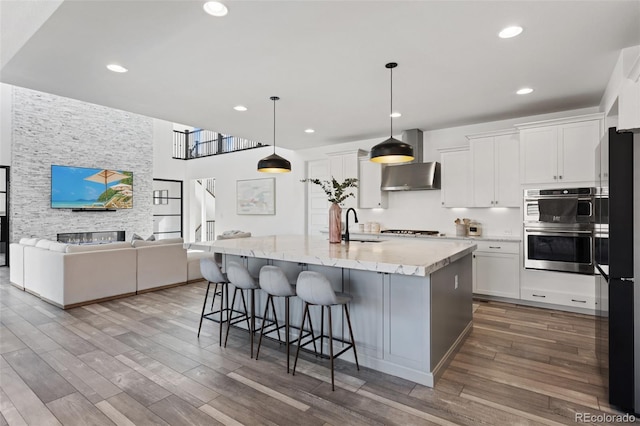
(274, 163)
(391, 150)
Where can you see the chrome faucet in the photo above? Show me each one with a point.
(355, 215)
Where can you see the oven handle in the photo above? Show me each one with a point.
(555, 231)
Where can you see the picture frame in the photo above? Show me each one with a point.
(256, 196)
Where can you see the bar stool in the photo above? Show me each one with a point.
(239, 276)
(274, 282)
(211, 272)
(315, 289)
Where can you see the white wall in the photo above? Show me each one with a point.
(5, 124)
(227, 169)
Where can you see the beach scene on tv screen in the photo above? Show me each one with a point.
(86, 188)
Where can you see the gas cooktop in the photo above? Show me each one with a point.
(408, 232)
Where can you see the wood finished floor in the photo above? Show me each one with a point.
(137, 361)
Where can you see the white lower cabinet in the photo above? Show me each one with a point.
(559, 289)
(496, 269)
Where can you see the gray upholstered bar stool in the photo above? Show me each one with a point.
(242, 280)
(211, 272)
(315, 289)
(275, 283)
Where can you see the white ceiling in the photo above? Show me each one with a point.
(324, 59)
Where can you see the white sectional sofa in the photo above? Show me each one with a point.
(161, 263)
(69, 275)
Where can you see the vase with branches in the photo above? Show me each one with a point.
(336, 192)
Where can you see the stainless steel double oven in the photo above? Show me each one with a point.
(560, 229)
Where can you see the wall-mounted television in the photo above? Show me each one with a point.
(85, 188)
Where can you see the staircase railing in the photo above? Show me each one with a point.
(210, 231)
(200, 143)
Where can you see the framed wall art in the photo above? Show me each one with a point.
(256, 196)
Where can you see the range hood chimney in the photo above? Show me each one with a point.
(414, 138)
(415, 175)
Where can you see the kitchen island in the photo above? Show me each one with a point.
(412, 299)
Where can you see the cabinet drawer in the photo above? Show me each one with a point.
(558, 298)
(498, 246)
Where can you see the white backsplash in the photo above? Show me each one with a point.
(422, 210)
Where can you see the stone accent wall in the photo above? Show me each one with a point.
(49, 129)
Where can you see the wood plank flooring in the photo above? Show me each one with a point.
(137, 361)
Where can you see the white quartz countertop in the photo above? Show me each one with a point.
(452, 236)
(417, 256)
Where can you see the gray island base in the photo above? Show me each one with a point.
(412, 300)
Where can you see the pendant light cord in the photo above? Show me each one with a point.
(274, 125)
(391, 105)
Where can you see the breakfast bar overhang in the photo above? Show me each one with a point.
(412, 300)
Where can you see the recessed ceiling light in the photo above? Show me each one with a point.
(116, 68)
(240, 108)
(524, 91)
(395, 115)
(215, 8)
(510, 32)
(309, 131)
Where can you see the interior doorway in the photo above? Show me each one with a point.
(203, 210)
(4, 215)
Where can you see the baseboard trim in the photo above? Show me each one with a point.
(147, 290)
(88, 302)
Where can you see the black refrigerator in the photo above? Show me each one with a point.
(614, 256)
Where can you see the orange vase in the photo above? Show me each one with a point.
(335, 223)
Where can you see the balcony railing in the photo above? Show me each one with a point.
(200, 143)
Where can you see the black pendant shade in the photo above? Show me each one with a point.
(274, 163)
(391, 150)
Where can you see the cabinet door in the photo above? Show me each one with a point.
(318, 206)
(370, 176)
(455, 179)
(482, 159)
(629, 105)
(341, 167)
(577, 146)
(538, 149)
(496, 274)
(507, 171)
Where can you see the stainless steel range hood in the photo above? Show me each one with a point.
(412, 176)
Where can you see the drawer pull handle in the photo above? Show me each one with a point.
(538, 295)
(579, 301)
(495, 247)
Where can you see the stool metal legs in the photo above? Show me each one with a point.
(332, 356)
(250, 317)
(225, 309)
(287, 327)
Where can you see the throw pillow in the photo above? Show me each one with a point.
(135, 237)
(151, 238)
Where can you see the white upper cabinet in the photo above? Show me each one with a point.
(495, 170)
(344, 165)
(507, 171)
(369, 178)
(559, 151)
(456, 178)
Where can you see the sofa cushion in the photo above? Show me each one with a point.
(72, 248)
(29, 241)
(142, 243)
(59, 247)
(45, 244)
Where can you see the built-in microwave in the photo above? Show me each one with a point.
(565, 205)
